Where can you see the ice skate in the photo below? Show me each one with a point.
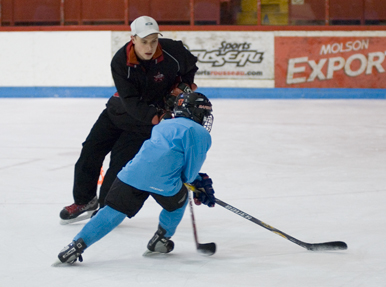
(75, 212)
(71, 253)
(159, 243)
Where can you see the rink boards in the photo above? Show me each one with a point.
(273, 64)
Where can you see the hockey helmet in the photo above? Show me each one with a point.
(194, 106)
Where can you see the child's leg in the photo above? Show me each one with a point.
(100, 225)
(169, 220)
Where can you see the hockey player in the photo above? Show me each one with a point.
(146, 71)
(172, 156)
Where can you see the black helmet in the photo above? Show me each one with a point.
(194, 106)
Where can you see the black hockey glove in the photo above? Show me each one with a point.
(161, 115)
(185, 88)
(169, 102)
(181, 87)
(204, 192)
(164, 114)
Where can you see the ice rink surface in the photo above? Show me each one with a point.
(315, 169)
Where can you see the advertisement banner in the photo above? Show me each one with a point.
(330, 62)
(223, 55)
(237, 55)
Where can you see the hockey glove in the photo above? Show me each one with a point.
(169, 102)
(204, 192)
(183, 88)
(161, 115)
(164, 115)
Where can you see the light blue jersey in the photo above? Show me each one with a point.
(172, 156)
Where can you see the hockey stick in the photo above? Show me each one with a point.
(203, 248)
(333, 245)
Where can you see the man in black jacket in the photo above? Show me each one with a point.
(148, 72)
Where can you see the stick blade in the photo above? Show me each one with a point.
(334, 245)
(207, 249)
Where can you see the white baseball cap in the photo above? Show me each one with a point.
(144, 26)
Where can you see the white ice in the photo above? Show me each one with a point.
(314, 169)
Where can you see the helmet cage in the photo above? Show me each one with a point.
(207, 122)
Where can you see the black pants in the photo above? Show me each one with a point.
(107, 134)
(129, 200)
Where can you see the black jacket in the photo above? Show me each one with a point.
(141, 91)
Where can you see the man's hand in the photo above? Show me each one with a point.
(183, 88)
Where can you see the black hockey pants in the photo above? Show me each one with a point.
(105, 136)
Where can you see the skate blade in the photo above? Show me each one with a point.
(81, 217)
(57, 263)
(149, 253)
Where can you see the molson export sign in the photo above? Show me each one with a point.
(330, 62)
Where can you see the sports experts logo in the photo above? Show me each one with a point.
(229, 53)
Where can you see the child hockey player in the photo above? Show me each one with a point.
(172, 156)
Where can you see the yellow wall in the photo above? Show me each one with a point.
(273, 12)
